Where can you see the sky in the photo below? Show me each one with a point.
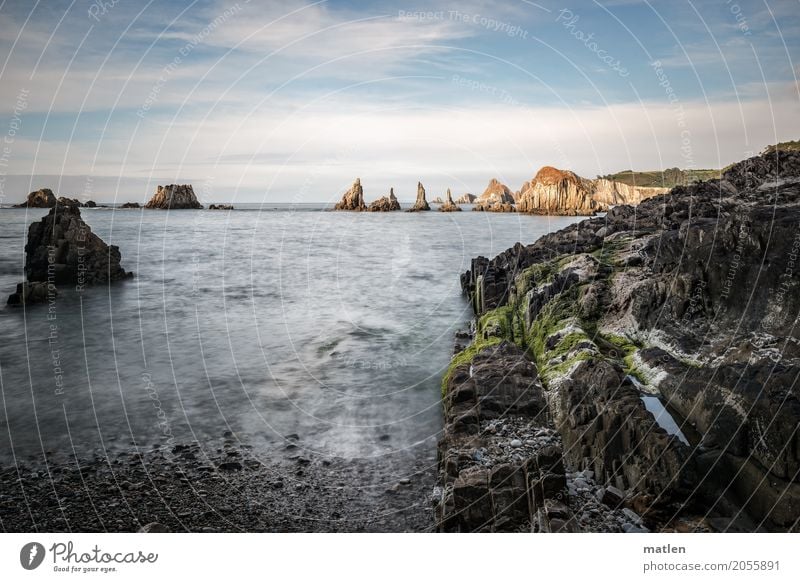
(290, 101)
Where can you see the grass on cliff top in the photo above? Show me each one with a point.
(667, 179)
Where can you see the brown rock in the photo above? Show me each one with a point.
(385, 203)
(43, 198)
(421, 204)
(449, 205)
(496, 198)
(174, 197)
(353, 199)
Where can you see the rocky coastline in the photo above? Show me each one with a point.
(679, 303)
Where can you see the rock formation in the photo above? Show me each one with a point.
(62, 248)
(131, 205)
(466, 199)
(684, 300)
(43, 198)
(174, 197)
(449, 205)
(32, 292)
(496, 198)
(554, 191)
(421, 204)
(437, 200)
(385, 203)
(220, 207)
(353, 199)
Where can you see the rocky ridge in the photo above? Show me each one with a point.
(684, 299)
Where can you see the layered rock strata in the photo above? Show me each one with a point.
(353, 199)
(496, 198)
(684, 301)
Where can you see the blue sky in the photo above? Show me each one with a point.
(291, 100)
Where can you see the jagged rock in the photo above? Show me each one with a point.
(353, 199)
(554, 191)
(43, 198)
(437, 200)
(385, 203)
(220, 207)
(32, 292)
(496, 198)
(174, 197)
(692, 291)
(449, 205)
(131, 205)
(466, 199)
(62, 248)
(421, 204)
(64, 201)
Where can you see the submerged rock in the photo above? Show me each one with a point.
(385, 203)
(174, 197)
(62, 248)
(43, 198)
(449, 205)
(689, 292)
(32, 292)
(421, 204)
(353, 199)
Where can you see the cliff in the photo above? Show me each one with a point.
(682, 305)
(554, 191)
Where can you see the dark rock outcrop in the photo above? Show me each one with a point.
(43, 198)
(353, 199)
(32, 292)
(449, 205)
(421, 204)
(174, 197)
(220, 207)
(131, 205)
(385, 203)
(687, 300)
(61, 248)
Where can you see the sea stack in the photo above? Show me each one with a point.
(421, 204)
(174, 197)
(353, 199)
(449, 205)
(62, 249)
(496, 198)
(466, 199)
(43, 198)
(385, 203)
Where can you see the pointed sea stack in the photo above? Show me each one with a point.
(353, 199)
(174, 197)
(449, 205)
(385, 203)
(421, 203)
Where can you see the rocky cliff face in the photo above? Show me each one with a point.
(174, 197)
(683, 303)
(420, 204)
(554, 191)
(43, 198)
(385, 203)
(496, 198)
(449, 205)
(62, 249)
(353, 199)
